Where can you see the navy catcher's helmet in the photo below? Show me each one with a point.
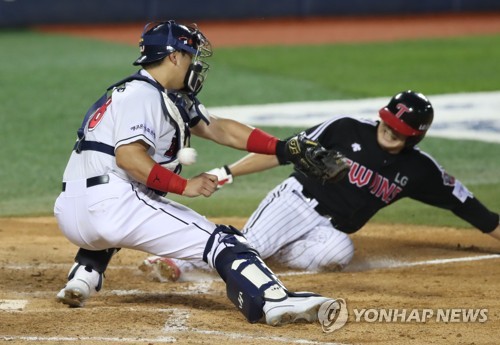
(160, 39)
(409, 113)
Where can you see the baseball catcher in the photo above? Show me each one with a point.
(128, 152)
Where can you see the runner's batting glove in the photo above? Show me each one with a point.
(223, 175)
(312, 159)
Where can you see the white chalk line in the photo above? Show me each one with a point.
(233, 335)
(93, 339)
(447, 261)
(393, 264)
(177, 322)
(200, 284)
(12, 304)
(165, 339)
(67, 266)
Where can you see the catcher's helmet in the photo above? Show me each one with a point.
(409, 113)
(160, 39)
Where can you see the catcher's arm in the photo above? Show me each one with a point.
(307, 156)
(249, 164)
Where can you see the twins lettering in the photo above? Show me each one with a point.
(378, 185)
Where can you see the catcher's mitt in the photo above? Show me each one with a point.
(312, 159)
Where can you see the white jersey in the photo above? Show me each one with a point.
(98, 216)
(134, 112)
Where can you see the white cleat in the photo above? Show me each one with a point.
(293, 309)
(80, 287)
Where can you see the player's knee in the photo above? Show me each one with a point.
(324, 249)
(222, 237)
(339, 250)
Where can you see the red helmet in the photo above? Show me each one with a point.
(409, 113)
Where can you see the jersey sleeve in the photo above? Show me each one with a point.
(438, 188)
(138, 115)
(329, 131)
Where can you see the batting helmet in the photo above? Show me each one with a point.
(160, 39)
(409, 113)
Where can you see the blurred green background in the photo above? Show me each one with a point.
(48, 81)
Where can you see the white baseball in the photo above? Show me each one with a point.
(187, 155)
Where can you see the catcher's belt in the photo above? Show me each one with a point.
(91, 182)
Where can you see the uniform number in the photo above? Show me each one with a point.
(98, 115)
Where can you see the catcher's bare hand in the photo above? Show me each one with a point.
(203, 184)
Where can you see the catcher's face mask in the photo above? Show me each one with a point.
(198, 69)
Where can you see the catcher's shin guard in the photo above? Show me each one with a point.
(249, 283)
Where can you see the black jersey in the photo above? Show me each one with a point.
(377, 179)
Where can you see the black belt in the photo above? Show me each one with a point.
(93, 181)
(320, 209)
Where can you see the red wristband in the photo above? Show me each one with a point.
(261, 142)
(165, 181)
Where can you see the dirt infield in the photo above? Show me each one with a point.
(396, 268)
(132, 309)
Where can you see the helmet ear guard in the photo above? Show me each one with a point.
(408, 113)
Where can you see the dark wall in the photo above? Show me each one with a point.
(18, 13)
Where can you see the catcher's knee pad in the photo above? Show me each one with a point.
(225, 236)
(95, 259)
(249, 282)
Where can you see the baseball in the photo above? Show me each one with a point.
(187, 155)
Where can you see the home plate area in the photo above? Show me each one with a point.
(414, 270)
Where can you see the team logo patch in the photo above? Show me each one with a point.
(402, 109)
(356, 147)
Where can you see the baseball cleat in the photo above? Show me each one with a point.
(293, 309)
(73, 297)
(161, 269)
(84, 283)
